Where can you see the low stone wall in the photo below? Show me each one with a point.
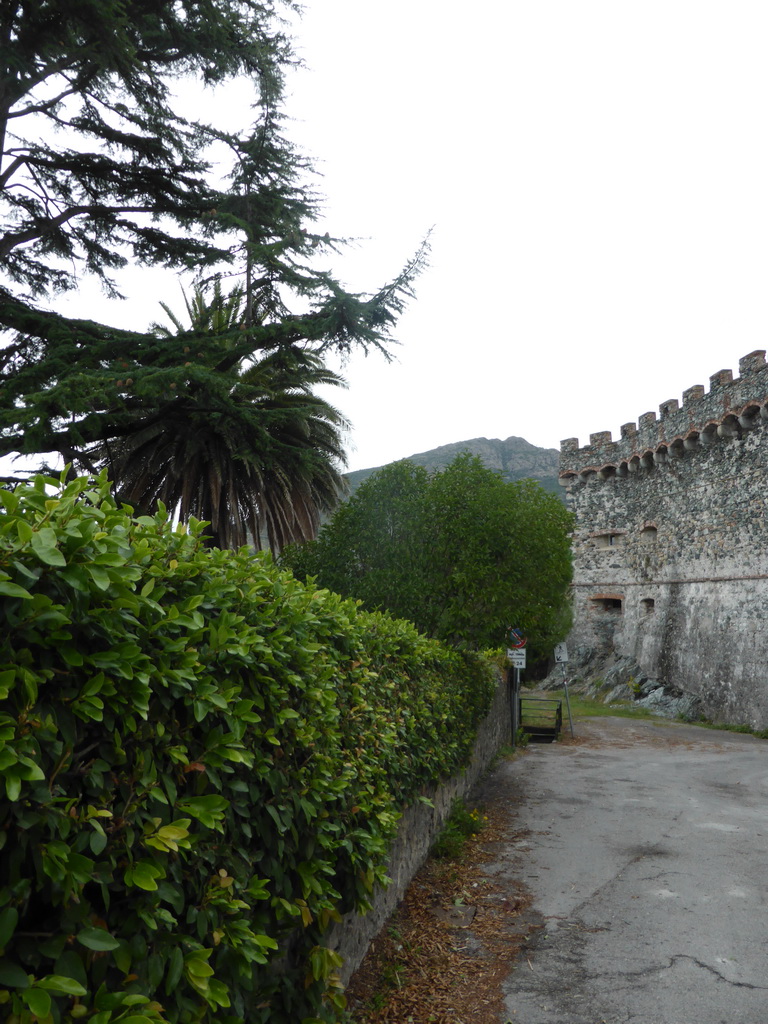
(418, 827)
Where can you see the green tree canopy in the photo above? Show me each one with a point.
(250, 448)
(99, 167)
(461, 553)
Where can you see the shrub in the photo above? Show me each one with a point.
(201, 761)
(461, 553)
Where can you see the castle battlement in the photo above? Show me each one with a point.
(728, 410)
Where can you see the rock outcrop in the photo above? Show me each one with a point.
(515, 458)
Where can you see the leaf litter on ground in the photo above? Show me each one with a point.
(436, 961)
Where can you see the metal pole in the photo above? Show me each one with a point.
(567, 701)
(514, 704)
(517, 699)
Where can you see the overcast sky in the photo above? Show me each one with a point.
(596, 172)
(596, 175)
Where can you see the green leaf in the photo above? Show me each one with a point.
(9, 500)
(70, 965)
(12, 976)
(9, 918)
(38, 1001)
(29, 771)
(144, 875)
(217, 994)
(97, 842)
(155, 968)
(175, 969)
(58, 983)
(8, 757)
(207, 809)
(198, 968)
(134, 999)
(12, 787)
(72, 656)
(43, 543)
(99, 576)
(8, 589)
(97, 939)
(24, 531)
(176, 830)
(277, 818)
(197, 963)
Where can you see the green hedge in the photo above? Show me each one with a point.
(201, 762)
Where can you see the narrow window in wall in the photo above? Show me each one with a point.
(647, 605)
(607, 605)
(609, 540)
(648, 534)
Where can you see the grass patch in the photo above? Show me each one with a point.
(521, 739)
(587, 707)
(461, 825)
(760, 734)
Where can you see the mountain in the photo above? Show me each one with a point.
(514, 458)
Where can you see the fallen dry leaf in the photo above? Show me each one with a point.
(432, 963)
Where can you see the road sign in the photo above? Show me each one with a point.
(516, 638)
(561, 654)
(517, 658)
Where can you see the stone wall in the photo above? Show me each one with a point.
(418, 827)
(671, 545)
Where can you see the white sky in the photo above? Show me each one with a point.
(596, 172)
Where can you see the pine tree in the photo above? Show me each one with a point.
(98, 168)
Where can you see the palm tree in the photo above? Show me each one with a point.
(244, 444)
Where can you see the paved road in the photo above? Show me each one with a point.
(648, 858)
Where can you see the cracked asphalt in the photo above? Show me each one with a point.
(647, 855)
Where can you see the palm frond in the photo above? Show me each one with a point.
(250, 448)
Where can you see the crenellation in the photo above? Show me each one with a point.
(752, 363)
(670, 547)
(648, 435)
(738, 405)
(692, 395)
(720, 379)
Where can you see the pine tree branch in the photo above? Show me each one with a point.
(41, 108)
(11, 169)
(10, 240)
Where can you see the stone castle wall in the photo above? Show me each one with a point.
(671, 544)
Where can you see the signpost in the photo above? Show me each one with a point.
(561, 658)
(516, 641)
(517, 658)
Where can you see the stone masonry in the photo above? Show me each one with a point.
(671, 545)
